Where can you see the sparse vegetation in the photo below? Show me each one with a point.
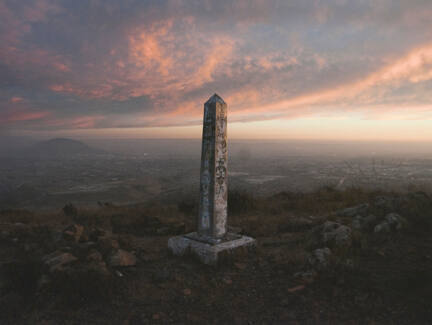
(376, 277)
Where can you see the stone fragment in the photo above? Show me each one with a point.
(392, 222)
(336, 233)
(360, 209)
(306, 276)
(363, 223)
(122, 258)
(94, 256)
(357, 223)
(395, 220)
(296, 288)
(320, 258)
(383, 227)
(73, 232)
(58, 260)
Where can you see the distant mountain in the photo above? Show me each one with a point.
(63, 147)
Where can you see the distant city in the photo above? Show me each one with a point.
(49, 174)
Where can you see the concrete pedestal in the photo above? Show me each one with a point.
(208, 249)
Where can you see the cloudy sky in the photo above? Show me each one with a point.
(336, 69)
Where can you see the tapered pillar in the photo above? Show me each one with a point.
(211, 238)
(212, 217)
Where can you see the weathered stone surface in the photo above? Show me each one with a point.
(395, 220)
(335, 233)
(207, 253)
(212, 219)
(212, 238)
(122, 258)
(58, 260)
(319, 258)
(383, 227)
(360, 209)
(363, 223)
(94, 256)
(73, 232)
(392, 222)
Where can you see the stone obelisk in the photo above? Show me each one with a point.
(212, 237)
(212, 218)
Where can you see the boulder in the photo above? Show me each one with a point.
(336, 234)
(58, 260)
(360, 209)
(392, 222)
(122, 258)
(320, 258)
(98, 267)
(363, 223)
(395, 221)
(383, 227)
(357, 223)
(73, 232)
(94, 256)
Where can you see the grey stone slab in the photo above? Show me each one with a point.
(208, 253)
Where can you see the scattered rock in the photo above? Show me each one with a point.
(395, 221)
(73, 232)
(58, 260)
(385, 203)
(392, 222)
(363, 223)
(336, 234)
(122, 258)
(94, 256)
(360, 209)
(383, 227)
(357, 223)
(296, 288)
(320, 258)
(99, 267)
(307, 276)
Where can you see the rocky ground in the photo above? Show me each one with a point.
(330, 256)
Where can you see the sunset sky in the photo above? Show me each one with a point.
(336, 69)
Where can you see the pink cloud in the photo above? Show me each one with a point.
(15, 100)
(23, 116)
(80, 122)
(61, 67)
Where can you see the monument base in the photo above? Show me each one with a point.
(208, 250)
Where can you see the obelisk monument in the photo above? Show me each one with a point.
(212, 218)
(212, 236)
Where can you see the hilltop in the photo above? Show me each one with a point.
(329, 256)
